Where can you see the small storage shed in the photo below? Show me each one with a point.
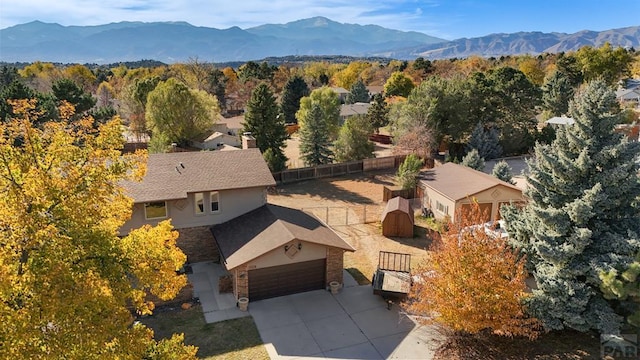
(397, 218)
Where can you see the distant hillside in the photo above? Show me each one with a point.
(520, 43)
(170, 42)
(178, 41)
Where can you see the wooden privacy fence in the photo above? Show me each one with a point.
(330, 170)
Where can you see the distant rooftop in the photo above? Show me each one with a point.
(560, 120)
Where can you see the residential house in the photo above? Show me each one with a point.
(217, 201)
(196, 190)
(629, 95)
(448, 189)
(375, 90)
(342, 93)
(223, 134)
(230, 126)
(348, 110)
(216, 141)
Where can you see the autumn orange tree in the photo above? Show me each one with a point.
(68, 282)
(472, 282)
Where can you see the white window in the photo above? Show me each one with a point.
(215, 201)
(200, 199)
(199, 203)
(155, 210)
(442, 208)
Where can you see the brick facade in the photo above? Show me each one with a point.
(198, 244)
(335, 264)
(241, 281)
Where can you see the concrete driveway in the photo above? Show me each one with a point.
(354, 324)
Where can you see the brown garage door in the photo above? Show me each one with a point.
(286, 279)
(485, 209)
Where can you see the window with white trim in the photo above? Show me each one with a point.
(199, 203)
(202, 198)
(155, 210)
(441, 208)
(214, 200)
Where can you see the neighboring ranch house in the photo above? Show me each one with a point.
(628, 95)
(450, 188)
(228, 189)
(230, 126)
(349, 110)
(217, 141)
(342, 93)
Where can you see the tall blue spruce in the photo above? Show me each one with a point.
(582, 218)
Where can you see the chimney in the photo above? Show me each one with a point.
(248, 141)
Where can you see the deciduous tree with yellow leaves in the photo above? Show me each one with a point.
(472, 282)
(68, 281)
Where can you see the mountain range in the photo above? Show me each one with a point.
(179, 41)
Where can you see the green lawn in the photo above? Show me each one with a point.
(231, 339)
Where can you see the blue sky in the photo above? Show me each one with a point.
(449, 19)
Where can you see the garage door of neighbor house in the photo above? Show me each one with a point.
(286, 279)
(485, 209)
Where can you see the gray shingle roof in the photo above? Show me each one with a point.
(173, 175)
(457, 182)
(268, 227)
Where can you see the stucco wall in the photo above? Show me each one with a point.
(495, 195)
(233, 203)
(309, 251)
(429, 199)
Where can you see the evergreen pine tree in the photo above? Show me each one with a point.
(582, 216)
(408, 171)
(556, 94)
(353, 140)
(487, 142)
(473, 160)
(378, 113)
(357, 93)
(275, 159)
(503, 171)
(294, 90)
(263, 121)
(315, 145)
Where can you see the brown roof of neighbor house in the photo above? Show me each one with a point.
(173, 175)
(375, 89)
(233, 123)
(268, 227)
(340, 90)
(457, 182)
(398, 203)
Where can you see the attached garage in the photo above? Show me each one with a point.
(289, 279)
(274, 251)
(485, 209)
